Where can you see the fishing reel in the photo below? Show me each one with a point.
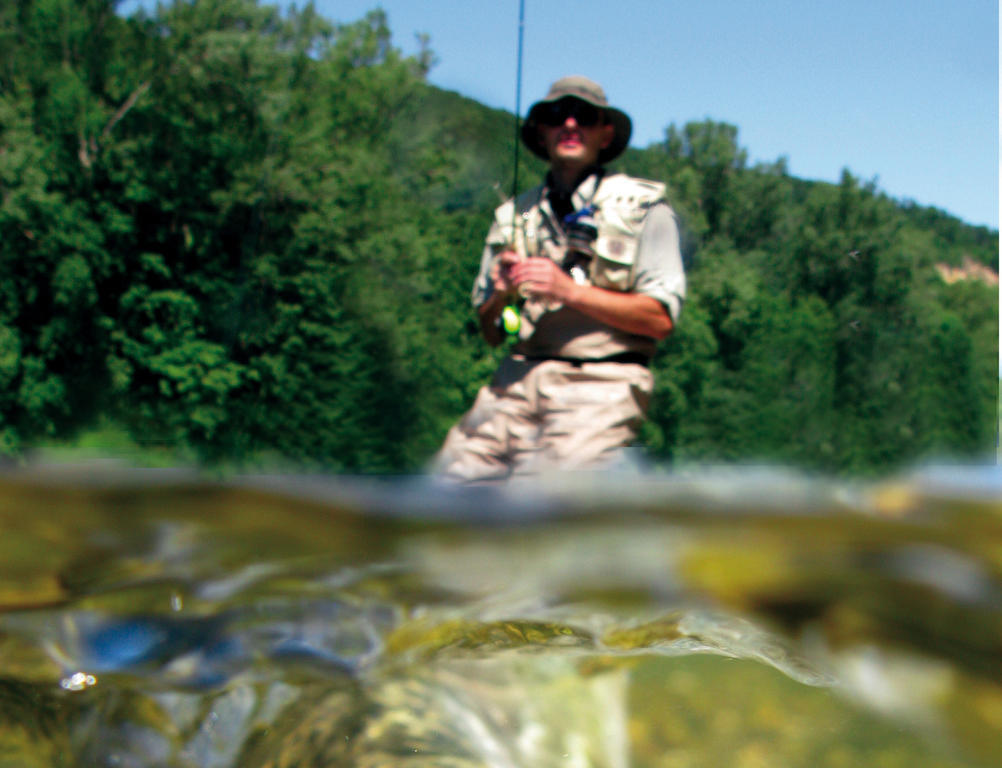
(510, 320)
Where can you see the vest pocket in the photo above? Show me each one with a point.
(612, 266)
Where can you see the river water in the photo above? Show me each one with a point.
(713, 616)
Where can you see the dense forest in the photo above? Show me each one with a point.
(250, 234)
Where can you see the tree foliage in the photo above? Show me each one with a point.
(252, 233)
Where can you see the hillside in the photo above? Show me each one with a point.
(252, 235)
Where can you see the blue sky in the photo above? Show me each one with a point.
(904, 93)
(901, 92)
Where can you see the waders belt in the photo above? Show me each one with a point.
(634, 358)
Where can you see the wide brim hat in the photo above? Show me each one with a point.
(579, 87)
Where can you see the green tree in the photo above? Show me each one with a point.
(61, 94)
(252, 232)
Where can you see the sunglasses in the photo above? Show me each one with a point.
(556, 113)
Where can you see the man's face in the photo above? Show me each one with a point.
(574, 132)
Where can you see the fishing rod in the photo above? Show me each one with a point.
(511, 320)
(518, 98)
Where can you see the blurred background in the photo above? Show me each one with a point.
(244, 234)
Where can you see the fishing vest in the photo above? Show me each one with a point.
(621, 203)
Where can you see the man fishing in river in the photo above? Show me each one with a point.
(593, 260)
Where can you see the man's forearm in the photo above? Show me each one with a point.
(630, 312)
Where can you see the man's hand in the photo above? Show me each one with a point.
(501, 272)
(541, 278)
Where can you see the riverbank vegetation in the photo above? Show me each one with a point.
(237, 232)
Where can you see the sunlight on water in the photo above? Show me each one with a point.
(738, 616)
